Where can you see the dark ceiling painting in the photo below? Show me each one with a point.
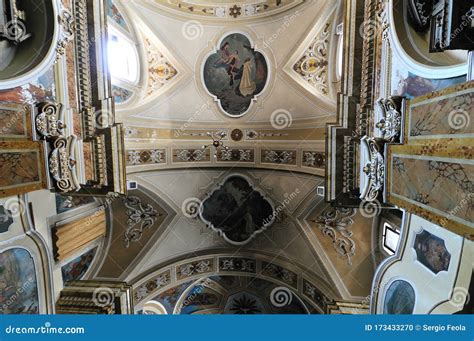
(5, 219)
(237, 211)
(240, 295)
(399, 298)
(18, 284)
(235, 74)
(431, 252)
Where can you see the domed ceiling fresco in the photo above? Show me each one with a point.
(235, 74)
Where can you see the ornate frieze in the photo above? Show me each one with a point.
(191, 155)
(49, 120)
(228, 9)
(280, 273)
(335, 224)
(159, 281)
(313, 65)
(311, 291)
(314, 159)
(236, 155)
(372, 169)
(229, 264)
(195, 268)
(140, 216)
(62, 164)
(66, 32)
(284, 157)
(146, 156)
(388, 118)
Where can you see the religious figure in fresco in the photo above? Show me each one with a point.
(235, 74)
(247, 84)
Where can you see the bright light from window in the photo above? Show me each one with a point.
(391, 236)
(340, 57)
(123, 61)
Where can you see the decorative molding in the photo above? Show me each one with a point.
(230, 264)
(194, 268)
(49, 120)
(145, 156)
(228, 10)
(372, 169)
(236, 155)
(313, 65)
(66, 34)
(313, 159)
(251, 265)
(191, 155)
(62, 164)
(160, 69)
(388, 117)
(284, 157)
(138, 213)
(334, 223)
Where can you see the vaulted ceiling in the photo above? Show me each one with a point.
(277, 144)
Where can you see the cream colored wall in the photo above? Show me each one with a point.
(435, 293)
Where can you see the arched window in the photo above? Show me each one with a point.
(122, 57)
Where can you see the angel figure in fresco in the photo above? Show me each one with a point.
(247, 85)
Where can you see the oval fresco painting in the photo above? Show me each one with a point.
(235, 74)
(399, 298)
(18, 286)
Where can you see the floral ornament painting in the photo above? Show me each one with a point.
(235, 74)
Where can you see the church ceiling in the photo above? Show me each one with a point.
(232, 75)
(226, 10)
